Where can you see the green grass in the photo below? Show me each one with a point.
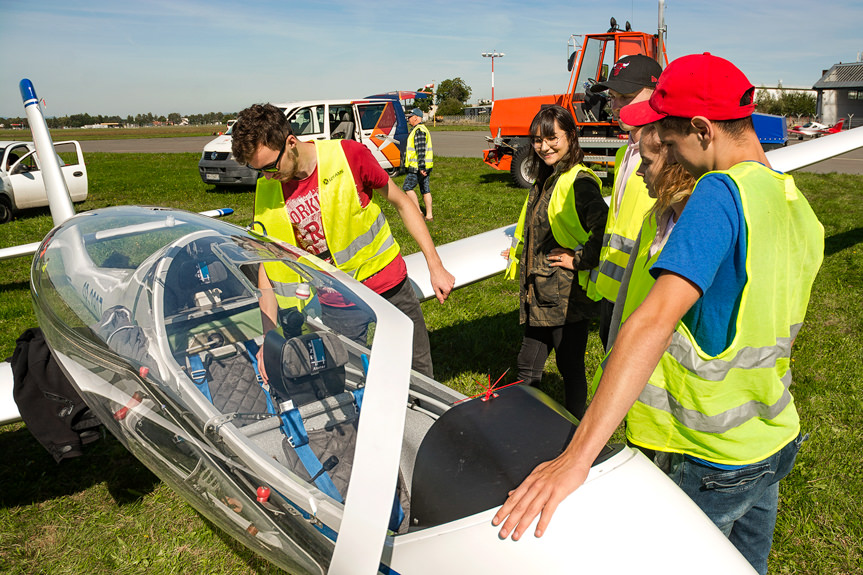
(105, 513)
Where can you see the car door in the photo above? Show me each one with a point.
(378, 125)
(74, 169)
(26, 180)
(342, 120)
(308, 123)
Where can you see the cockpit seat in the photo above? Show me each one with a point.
(226, 375)
(310, 369)
(196, 279)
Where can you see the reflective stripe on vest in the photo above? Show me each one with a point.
(563, 218)
(635, 290)
(411, 157)
(736, 408)
(358, 238)
(621, 230)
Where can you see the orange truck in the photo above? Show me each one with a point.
(591, 56)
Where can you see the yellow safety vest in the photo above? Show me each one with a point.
(411, 158)
(639, 285)
(621, 230)
(565, 225)
(736, 408)
(359, 238)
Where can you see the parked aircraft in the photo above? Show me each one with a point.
(346, 462)
(815, 130)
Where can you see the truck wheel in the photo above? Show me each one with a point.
(393, 172)
(5, 210)
(518, 168)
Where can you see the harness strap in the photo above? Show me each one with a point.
(293, 428)
(252, 349)
(198, 373)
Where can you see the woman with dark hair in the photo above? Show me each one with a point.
(559, 238)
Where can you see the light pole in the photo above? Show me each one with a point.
(492, 55)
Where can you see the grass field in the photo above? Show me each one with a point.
(105, 513)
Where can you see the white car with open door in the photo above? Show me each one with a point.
(21, 183)
(378, 123)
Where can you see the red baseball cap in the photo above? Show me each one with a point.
(695, 85)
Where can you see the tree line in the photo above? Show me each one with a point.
(786, 103)
(80, 120)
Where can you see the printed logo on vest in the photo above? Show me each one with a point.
(333, 177)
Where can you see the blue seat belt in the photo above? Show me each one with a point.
(358, 397)
(252, 349)
(293, 428)
(199, 375)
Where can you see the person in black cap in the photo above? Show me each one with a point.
(632, 79)
(419, 161)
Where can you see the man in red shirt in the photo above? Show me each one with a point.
(262, 139)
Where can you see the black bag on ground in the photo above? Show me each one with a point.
(50, 406)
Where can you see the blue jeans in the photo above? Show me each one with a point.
(741, 502)
(414, 178)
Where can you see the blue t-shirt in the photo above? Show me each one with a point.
(708, 247)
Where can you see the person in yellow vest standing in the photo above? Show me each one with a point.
(419, 161)
(702, 368)
(557, 241)
(632, 79)
(318, 196)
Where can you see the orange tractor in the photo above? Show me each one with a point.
(590, 58)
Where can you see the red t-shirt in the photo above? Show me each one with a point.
(303, 207)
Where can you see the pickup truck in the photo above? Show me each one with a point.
(380, 124)
(21, 184)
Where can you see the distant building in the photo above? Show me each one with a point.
(478, 112)
(840, 93)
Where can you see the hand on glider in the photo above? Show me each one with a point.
(540, 493)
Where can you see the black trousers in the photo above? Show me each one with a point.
(353, 322)
(569, 341)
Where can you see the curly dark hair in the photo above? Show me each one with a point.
(259, 124)
(543, 126)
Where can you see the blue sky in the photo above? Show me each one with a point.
(190, 56)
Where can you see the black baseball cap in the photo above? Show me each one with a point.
(631, 74)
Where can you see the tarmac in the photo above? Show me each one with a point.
(468, 144)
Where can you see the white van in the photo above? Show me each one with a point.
(21, 182)
(380, 124)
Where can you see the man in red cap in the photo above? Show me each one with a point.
(701, 370)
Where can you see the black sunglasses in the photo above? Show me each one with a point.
(273, 167)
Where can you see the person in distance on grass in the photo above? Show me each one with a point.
(559, 234)
(318, 196)
(419, 161)
(701, 369)
(632, 79)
